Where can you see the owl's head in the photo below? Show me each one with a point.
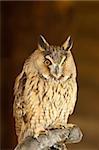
(54, 62)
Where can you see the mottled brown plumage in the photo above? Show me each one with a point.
(45, 90)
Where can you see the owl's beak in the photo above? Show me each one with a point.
(57, 72)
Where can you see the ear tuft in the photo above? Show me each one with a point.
(42, 44)
(68, 44)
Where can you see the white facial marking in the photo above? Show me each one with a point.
(45, 76)
(48, 57)
(62, 60)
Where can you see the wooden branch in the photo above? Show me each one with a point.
(71, 134)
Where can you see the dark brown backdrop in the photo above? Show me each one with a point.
(21, 24)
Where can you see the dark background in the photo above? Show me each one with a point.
(21, 25)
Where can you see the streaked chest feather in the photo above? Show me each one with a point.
(47, 101)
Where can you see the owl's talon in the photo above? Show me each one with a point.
(44, 132)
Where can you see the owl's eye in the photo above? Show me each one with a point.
(47, 62)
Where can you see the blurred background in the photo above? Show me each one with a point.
(21, 25)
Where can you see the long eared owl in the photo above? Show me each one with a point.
(45, 91)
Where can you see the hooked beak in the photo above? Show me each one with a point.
(57, 72)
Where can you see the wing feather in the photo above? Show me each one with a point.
(18, 109)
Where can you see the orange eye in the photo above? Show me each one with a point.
(47, 62)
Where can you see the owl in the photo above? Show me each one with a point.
(45, 90)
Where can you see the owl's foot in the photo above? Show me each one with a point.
(58, 126)
(44, 132)
(40, 131)
(69, 125)
(61, 126)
